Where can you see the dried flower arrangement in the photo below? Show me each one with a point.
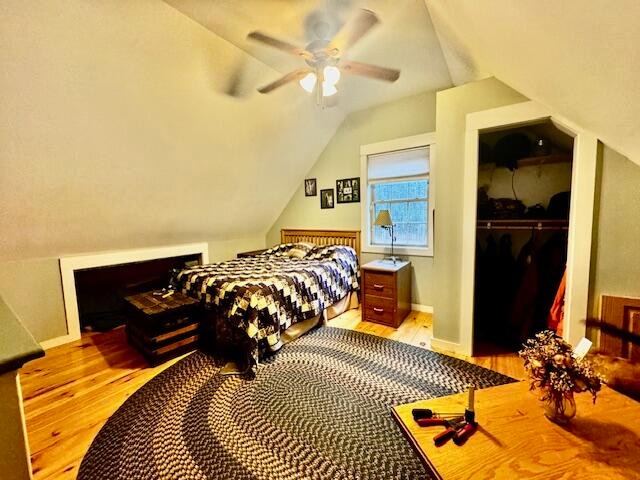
(554, 370)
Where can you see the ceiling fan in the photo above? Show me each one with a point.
(324, 58)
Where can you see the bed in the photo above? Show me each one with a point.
(256, 304)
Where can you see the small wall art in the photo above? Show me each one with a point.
(326, 198)
(310, 187)
(348, 190)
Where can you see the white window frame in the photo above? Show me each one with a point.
(415, 141)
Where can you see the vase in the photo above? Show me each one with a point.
(560, 407)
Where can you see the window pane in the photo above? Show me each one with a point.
(407, 204)
(400, 190)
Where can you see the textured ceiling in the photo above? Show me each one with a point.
(580, 58)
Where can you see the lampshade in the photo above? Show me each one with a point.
(383, 219)
(331, 74)
(308, 82)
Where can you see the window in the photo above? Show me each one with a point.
(397, 177)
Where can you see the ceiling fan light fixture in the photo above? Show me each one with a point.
(328, 89)
(324, 58)
(308, 82)
(331, 74)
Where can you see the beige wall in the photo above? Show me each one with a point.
(615, 268)
(452, 107)
(341, 159)
(533, 184)
(116, 133)
(33, 287)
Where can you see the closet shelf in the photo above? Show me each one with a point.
(523, 224)
(535, 161)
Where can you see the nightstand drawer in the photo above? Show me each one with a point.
(381, 284)
(379, 309)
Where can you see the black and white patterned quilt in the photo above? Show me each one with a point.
(254, 299)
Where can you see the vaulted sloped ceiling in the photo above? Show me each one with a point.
(126, 124)
(119, 129)
(579, 57)
(404, 39)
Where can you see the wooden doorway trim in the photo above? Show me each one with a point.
(583, 179)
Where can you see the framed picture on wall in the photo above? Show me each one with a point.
(348, 190)
(310, 187)
(326, 198)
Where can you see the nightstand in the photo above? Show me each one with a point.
(252, 253)
(386, 292)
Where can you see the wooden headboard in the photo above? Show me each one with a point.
(350, 238)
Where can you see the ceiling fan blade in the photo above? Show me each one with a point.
(279, 44)
(368, 70)
(289, 77)
(352, 31)
(241, 80)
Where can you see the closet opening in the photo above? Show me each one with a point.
(524, 191)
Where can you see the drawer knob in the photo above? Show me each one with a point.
(377, 286)
(378, 310)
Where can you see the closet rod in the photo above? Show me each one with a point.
(523, 224)
(504, 227)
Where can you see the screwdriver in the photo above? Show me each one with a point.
(428, 413)
(428, 422)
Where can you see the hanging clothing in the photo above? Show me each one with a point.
(494, 287)
(522, 315)
(556, 314)
(542, 266)
(485, 261)
(552, 268)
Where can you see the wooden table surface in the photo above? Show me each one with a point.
(516, 441)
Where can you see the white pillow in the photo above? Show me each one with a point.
(300, 249)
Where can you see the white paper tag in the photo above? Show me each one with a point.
(582, 348)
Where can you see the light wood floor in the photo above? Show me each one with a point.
(75, 388)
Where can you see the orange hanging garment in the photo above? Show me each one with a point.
(556, 314)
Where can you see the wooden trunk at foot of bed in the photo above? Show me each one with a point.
(350, 238)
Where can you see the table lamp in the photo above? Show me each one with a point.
(384, 220)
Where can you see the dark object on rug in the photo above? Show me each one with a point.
(318, 409)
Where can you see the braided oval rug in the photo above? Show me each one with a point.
(318, 409)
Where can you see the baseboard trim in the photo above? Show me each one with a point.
(417, 307)
(57, 341)
(446, 345)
